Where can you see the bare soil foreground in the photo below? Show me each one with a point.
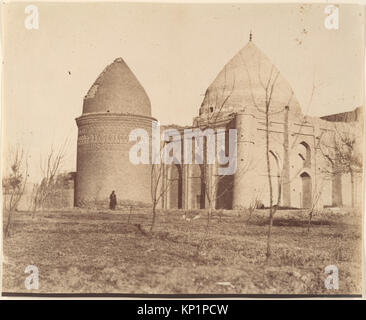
(81, 251)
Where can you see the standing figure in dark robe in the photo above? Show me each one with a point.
(112, 201)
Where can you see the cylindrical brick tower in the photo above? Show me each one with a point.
(114, 106)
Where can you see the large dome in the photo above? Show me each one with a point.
(243, 80)
(117, 90)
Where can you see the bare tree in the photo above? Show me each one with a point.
(266, 107)
(251, 208)
(50, 168)
(315, 199)
(14, 184)
(159, 184)
(210, 180)
(349, 157)
(344, 154)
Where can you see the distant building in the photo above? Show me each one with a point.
(303, 157)
(60, 195)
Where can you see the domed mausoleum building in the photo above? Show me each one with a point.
(304, 171)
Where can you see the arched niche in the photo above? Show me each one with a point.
(306, 197)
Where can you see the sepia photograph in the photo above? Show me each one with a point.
(171, 149)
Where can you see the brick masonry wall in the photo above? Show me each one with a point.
(103, 161)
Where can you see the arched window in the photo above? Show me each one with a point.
(304, 153)
(274, 164)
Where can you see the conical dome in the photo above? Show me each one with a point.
(243, 80)
(117, 90)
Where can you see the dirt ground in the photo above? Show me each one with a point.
(80, 251)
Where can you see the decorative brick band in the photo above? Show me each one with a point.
(101, 131)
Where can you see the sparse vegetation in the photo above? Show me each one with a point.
(13, 184)
(45, 193)
(85, 251)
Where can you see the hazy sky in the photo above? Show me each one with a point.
(174, 50)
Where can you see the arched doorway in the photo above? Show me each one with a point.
(175, 187)
(306, 190)
(196, 187)
(275, 178)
